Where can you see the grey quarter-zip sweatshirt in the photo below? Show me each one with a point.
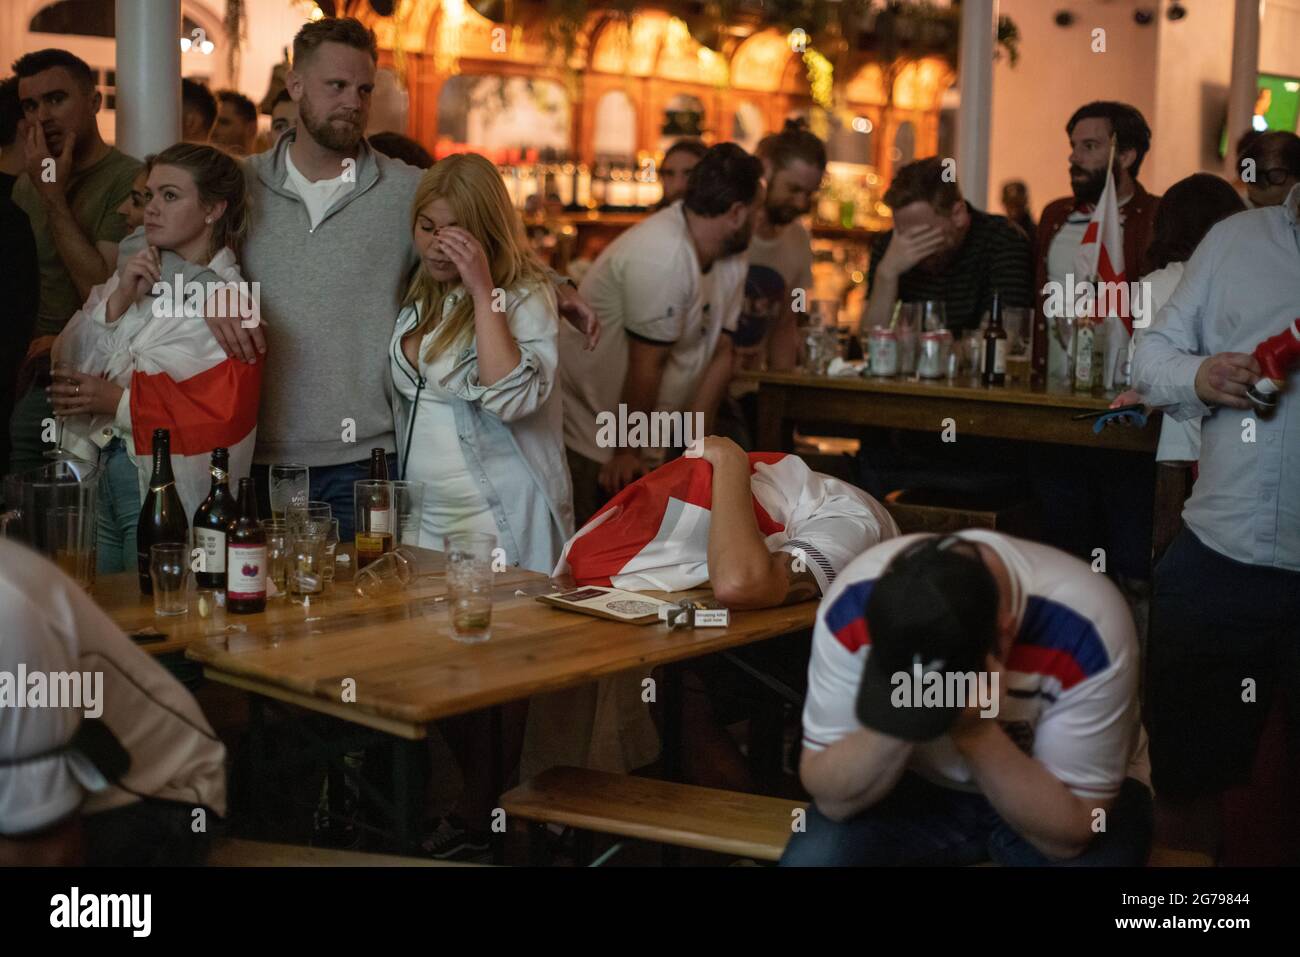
(329, 298)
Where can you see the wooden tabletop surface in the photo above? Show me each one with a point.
(120, 596)
(406, 668)
(964, 388)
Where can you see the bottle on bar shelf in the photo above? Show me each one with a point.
(246, 557)
(162, 516)
(212, 522)
(994, 371)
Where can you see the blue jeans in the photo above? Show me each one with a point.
(326, 483)
(921, 824)
(119, 510)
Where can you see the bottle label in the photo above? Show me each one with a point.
(213, 544)
(381, 521)
(246, 577)
(999, 357)
(1083, 356)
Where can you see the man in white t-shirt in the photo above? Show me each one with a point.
(130, 772)
(780, 262)
(668, 292)
(973, 696)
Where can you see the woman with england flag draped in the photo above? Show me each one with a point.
(145, 357)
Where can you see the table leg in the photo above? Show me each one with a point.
(498, 778)
(672, 721)
(257, 766)
(771, 416)
(406, 803)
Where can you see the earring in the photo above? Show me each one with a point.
(208, 220)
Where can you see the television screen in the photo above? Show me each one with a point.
(1277, 107)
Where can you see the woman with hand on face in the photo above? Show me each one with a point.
(473, 361)
(479, 421)
(144, 356)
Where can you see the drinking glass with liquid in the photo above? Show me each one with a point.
(469, 585)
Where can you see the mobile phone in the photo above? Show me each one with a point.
(1132, 407)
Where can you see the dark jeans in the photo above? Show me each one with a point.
(1216, 622)
(147, 833)
(327, 483)
(921, 824)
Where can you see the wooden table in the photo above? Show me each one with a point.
(407, 670)
(923, 405)
(1020, 413)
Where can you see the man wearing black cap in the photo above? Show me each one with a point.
(972, 697)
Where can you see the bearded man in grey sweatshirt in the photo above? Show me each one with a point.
(330, 247)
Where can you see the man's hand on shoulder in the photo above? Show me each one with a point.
(238, 342)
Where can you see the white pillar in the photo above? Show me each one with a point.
(148, 75)
(978, 35)
(1245, 72)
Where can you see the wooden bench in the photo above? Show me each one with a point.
(230, 852)
(680, 815)
(683, 815)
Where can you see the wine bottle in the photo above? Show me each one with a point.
(212, 521)
(162, 516)
(995, 346)
(376, 537)
(246, 556)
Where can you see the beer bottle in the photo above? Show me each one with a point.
(246, 556)
(212, 521)
(994, 371)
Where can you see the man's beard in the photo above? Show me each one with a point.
(738, 241)
(781, 215)
(338, 139)
(1090, 190)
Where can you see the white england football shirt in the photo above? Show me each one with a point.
(1071, 701)
(48, 623)
(647, 284)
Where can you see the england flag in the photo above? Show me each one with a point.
(177, 378)
(654, 535)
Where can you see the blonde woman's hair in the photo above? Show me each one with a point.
(472, 187)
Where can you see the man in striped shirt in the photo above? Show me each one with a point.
(943, 248)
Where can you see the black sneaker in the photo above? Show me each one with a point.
(452, 840)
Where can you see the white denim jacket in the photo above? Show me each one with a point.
(511, 432)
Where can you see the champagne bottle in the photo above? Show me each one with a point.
(995, 346)
(212, 521)
(162, 516)
(376, 537)
(246, 556)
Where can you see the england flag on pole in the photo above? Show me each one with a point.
(1101, 251)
